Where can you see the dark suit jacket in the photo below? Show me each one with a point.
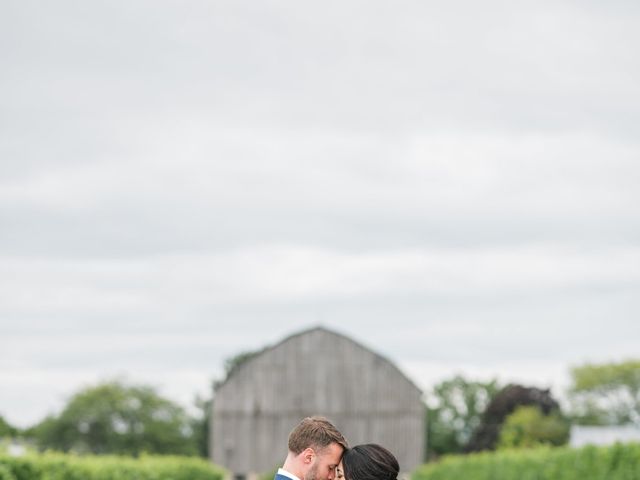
(280, 477)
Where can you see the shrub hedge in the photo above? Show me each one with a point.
(616, 462)
(58, 466)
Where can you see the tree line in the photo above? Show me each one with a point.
(465, 416)
(462, 415)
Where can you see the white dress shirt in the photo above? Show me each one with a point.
(287, 474)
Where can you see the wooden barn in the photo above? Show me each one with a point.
(315, 372)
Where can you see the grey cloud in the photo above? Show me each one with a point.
(380, 68)
(113, 235)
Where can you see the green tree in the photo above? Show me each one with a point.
(201, 425)
(606, 394)
(118, 419)
(528, 426)
(7, 430)
(503, 404)
(454, 411)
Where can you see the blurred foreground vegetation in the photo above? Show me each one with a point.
(616, 462)
(58, 466)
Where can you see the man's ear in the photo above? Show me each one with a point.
(308, 455)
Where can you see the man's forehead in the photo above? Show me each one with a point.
(332, 452)
(335, 451)
(331, 448)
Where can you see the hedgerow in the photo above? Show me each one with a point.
(58, 466)
(616, 462)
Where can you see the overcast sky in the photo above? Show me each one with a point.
(453, 184)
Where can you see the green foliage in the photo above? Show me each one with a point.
(57, 466)
(457, 409)
(200, 426)
(606, 394)
(503, 404)
(113, 418)
(5, 473)
(618, 462)
(527, 426)
(6, 430)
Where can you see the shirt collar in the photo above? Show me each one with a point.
(287, 474)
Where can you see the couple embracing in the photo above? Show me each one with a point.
(318, 451)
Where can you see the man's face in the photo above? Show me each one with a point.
(325, 463)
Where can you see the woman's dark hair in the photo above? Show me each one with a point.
(370, 462)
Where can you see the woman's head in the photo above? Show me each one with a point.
(369, 462)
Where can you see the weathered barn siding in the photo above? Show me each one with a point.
(315, 372)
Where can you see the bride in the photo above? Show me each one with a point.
(368, 462)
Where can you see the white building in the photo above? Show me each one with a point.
(603, 435)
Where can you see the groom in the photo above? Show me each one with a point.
(315, 450)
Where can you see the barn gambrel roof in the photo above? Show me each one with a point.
(310, 331)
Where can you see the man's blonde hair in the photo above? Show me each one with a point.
(315, 432)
